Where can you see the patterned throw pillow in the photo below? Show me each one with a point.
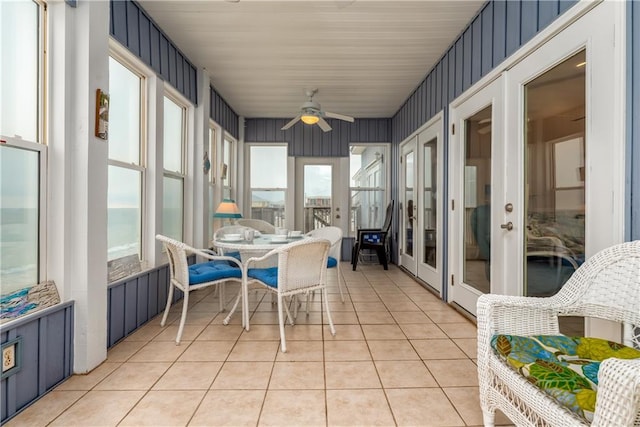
(564, 367)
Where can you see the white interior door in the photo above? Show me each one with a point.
(537, 176)
(476, 171)
(319, 201)
(428, 240)
(564, 124)
(408, 204)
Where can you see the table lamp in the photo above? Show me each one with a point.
(227, 209)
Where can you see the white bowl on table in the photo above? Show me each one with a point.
(232, 237)
(279, 238)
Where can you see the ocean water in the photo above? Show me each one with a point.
(18, 248)
(19, 243)
(123, 232)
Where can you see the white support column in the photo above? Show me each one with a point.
(77, 222)
(242, 173)
(201, 145)
(154, 170)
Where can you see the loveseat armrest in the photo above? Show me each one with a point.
(618, 398)
(512, 315)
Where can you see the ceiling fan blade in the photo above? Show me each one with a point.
(323, 124)
(291, 123)
(338, 116)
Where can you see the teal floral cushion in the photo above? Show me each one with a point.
(564, 367)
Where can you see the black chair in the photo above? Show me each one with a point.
(376, 239)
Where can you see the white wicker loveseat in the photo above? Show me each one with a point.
(607, 286)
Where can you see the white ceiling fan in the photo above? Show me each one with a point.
(311, 113)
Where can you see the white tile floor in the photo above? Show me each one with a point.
(400, 357)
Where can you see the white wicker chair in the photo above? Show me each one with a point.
(230, 229)
(302, 268)
(334, 236)
(180, 277)
(257, 224)
(607, 286)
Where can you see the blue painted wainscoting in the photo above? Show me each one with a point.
(133, 301)
(45, 359)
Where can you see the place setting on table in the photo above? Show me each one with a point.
(253, 241)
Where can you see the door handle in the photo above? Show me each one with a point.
(337, 216)
(508, 226)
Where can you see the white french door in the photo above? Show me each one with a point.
(318, 200)
(547, 191)
(428, 240)
(565, 130)
(408, 193)
(476, 171)
(421, 203)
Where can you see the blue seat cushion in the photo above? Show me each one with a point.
(269, 276)
(331, 262)
(235, 255)
(212, 270)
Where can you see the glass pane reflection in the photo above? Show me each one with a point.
(430, 202)
(409, 198)
(555, 176)
(477, 201)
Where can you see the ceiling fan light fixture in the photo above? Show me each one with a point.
(309, 119)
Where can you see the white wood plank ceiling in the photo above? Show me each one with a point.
(364, 56)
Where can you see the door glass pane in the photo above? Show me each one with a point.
(19, 218)
(555, 176)
(124, 212)
(408, 198)
(430, 201)
(477, 198)
(317, 196)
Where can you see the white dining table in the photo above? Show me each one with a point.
(257, 247)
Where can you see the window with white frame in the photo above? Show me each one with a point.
(368, 186)
(174, 168)
(126, 172)
(227, 168)
(268, 183)
(211, 178)
(22, 150)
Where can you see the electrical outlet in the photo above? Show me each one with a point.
(8, 358)
(11, 356)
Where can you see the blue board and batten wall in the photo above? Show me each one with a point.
(46, 356)
(496, 32)
(133, 301)
(135, 30)
(311, 141)
(223, 114)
